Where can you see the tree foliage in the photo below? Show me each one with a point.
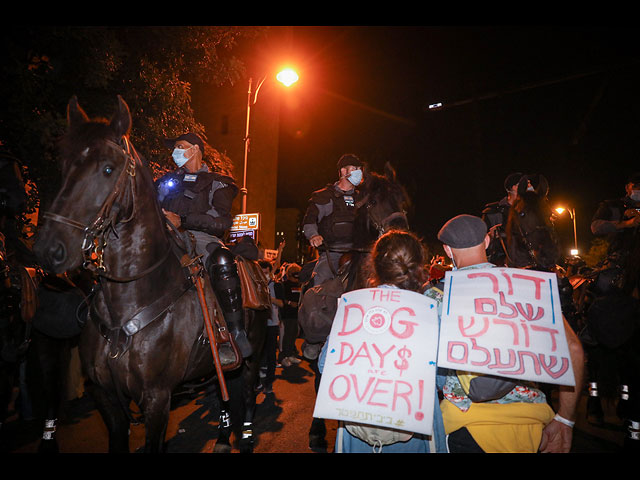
(152, 68)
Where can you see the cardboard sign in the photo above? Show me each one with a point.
(506, 322)
(380, 365)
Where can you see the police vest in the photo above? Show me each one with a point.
(185, 193)
(337, 228)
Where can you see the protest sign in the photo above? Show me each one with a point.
(506, 322)
(381, 361)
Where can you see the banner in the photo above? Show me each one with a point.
(506, 322)
(381, 357)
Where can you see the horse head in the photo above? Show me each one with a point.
(531, 237)
(383, 206)
(100, 176)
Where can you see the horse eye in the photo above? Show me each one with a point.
(108, 169)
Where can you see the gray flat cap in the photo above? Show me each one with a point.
(463, 231)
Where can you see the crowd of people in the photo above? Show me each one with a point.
(516, 417)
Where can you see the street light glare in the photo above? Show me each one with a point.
(287, 77)
(560, 210)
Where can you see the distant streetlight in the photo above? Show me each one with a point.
(572, 214)
(287, 77)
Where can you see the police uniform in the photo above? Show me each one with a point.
(203, 200)
(495, 215)
(331, 214)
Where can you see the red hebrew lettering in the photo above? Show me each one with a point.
(498, 362)
(409, 326)
(451, 358)
(528, 313)
(504, 303)
(536, 280)
(475, 347)
(509, 284)
(550, 331)
(514, 328)
(480, 303)
(355, 319)
(552, 363)
(405, 395)
(463, 329)
(521, 369)
(526, 333)
(490, 276)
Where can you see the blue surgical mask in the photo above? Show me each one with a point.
(355, 177)
(179, 157)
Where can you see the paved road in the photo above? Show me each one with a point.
(282, 422)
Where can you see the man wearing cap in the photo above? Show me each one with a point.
(616, 288)
(495, 215)
(328, 221)
(618, 220)
(505, 415)
(199, 201)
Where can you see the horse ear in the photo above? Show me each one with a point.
(121, 121)
(75, 114)
(543, 186)
(522, 185)
(389, 172)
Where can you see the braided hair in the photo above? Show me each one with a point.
(399, 258)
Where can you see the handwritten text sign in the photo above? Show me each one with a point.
(506, 322)
(381, 361)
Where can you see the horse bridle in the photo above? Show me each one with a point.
(527, 243)
(94, 240)
(380, 225)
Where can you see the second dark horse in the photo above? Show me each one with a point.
(145, 334)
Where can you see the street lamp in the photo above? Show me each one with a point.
(287, 77)
(572, 214)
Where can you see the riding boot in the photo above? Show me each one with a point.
(226, 284)
(235, 324)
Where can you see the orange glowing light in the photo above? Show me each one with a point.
(287, 77)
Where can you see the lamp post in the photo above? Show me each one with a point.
(287, 77)
(572, 214)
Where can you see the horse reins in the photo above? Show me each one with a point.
(94, 240)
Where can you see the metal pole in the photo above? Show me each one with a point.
(246, 151)
(575, 235)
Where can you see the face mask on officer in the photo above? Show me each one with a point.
(179, 156)
(635, 195)
(355, 177)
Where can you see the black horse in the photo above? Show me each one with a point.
(531, 237)
(609, 307)
(382, 208)
(145, 334)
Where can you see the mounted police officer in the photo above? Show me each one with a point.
(197, 200)
(495, 215)
(328, 221)
(618, 220)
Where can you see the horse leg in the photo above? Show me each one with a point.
(595, 412)
(114, 417)
(250, 376)
(223, 443)
(318, 430)
(156, 408)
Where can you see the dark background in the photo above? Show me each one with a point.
(555, 100)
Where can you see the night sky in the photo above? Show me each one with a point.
(560, 101)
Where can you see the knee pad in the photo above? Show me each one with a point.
(223, 271)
